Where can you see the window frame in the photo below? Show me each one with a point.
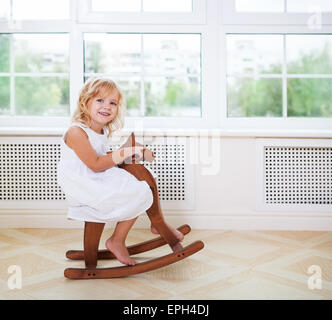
(265, 23)
(213, 72)
(231, 17)
(142, 75)
(76, 69)
(206, 120)
(197, 16)
(75, 57)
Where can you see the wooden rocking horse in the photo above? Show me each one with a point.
(93, 231)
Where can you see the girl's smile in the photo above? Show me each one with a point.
(103, 109)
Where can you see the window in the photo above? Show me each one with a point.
(230, 64)
(309, 5)
(151, 48)
(259, 66)
(259, 6)
(5, 10)
(159, 73)
(277, 12)
(34, 9)
(34, 74)
(309, 69)
(142, 11)
(141, 6)
(289, 6)
(278, 63)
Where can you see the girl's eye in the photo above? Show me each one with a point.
(113, 103)
(100, 100)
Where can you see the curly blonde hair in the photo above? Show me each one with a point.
(92, 87)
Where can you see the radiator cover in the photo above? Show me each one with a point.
(294, 174)
(28, 173)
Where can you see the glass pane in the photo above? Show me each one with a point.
(167, 6)
(309, 97)
(5, 10)
(259, 5)
(4, 96)
(116, 5)
(112, 53)
(40, 9)
(173, 97)
(41, 52)
(309, 53)
(247, 97)
(309, 6)
(131, 89)
(42, 96)
(254, 53)
(172, 54)
(4, 52)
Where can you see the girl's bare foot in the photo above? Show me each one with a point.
(154, 230)
(177, 233)
(120, 251)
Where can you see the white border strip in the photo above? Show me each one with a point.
(199, 222)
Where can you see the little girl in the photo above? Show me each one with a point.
(96, 188)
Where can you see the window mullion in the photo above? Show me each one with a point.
(76, 58)
(11, 72)
(11, 11)
(142, 91)
(284, 80)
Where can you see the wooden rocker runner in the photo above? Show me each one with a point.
(93, 231)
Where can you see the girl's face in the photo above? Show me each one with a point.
(104, 107)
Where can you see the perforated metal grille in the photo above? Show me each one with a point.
(28, 172)
(298, 175)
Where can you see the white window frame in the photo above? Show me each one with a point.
(231, 16)
(265, 23)
(213, 71)
(76, 30)
(11, 74)
(142, 75)
(206, 120)
(197, 16)
(75, 65)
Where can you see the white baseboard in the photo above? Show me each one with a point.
(198, 222)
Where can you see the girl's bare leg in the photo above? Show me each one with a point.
(177, 233)
(116, 243)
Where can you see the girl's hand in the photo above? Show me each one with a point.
(125, 155)
(148, 155)
(133, 153)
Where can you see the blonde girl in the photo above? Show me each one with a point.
(98, 190)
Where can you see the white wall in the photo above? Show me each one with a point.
(226, 199)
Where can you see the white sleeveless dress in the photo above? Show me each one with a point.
(110, 195)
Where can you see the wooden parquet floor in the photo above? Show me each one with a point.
(233, 265)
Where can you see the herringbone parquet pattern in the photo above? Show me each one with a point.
(233, 265)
